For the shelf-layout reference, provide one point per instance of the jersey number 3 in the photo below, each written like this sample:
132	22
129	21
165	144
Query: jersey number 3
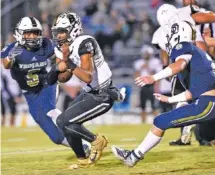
32	78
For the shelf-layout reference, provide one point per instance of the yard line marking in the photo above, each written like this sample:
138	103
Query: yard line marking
128	139
34	151
15	140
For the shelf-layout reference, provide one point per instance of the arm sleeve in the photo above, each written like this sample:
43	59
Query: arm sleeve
87	46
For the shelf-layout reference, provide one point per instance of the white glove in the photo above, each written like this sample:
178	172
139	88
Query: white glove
123	94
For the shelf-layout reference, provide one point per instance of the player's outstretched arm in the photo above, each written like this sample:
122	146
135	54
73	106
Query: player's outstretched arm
184	96
169	71
202	17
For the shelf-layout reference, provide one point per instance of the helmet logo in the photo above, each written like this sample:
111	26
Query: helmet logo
175	28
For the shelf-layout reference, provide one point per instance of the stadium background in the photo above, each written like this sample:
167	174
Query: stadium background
121	27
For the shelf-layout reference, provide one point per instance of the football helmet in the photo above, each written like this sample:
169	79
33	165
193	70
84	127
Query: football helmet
167	14
69	23
178	32
28	24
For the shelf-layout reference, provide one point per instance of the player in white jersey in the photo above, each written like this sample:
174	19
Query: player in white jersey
82	56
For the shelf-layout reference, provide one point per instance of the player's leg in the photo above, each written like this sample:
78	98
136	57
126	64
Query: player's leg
152	101
74	141
48	97
143	98
177	88
86	107
200	111
12	105
204	133
39	106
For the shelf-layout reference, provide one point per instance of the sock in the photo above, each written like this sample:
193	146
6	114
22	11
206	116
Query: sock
76	145
150	141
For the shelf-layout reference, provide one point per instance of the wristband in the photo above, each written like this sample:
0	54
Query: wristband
177	98
167	72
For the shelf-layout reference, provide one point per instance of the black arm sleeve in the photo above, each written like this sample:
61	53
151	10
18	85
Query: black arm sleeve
87	46
195	9
52	75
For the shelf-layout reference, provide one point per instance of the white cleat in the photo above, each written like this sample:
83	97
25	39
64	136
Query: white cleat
129	158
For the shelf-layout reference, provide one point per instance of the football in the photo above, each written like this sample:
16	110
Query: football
64	76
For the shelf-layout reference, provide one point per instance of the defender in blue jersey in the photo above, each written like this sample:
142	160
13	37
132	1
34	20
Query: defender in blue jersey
189	63
27	59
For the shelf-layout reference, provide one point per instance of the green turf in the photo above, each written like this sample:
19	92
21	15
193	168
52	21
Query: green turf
29	152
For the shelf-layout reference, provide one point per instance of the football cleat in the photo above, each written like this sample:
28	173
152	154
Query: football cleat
178	143
205	143
82	163
129	158
97	148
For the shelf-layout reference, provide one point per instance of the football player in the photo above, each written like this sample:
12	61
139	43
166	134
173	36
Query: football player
195	70
27	60
191	14
84	59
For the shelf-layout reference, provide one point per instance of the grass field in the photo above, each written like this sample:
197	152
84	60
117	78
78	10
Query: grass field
27	151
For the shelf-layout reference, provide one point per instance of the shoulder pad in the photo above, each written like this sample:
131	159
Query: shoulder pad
180	49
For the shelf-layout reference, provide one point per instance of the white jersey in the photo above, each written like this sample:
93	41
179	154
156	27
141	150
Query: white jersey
87	44
184	13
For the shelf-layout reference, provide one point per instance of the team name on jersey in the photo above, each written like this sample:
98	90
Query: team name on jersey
33	65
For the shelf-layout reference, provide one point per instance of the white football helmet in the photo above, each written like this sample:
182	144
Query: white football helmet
69	23
178	32
167	14
28	24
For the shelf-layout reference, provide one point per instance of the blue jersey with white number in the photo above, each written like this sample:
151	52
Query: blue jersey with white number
29	67
198	77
